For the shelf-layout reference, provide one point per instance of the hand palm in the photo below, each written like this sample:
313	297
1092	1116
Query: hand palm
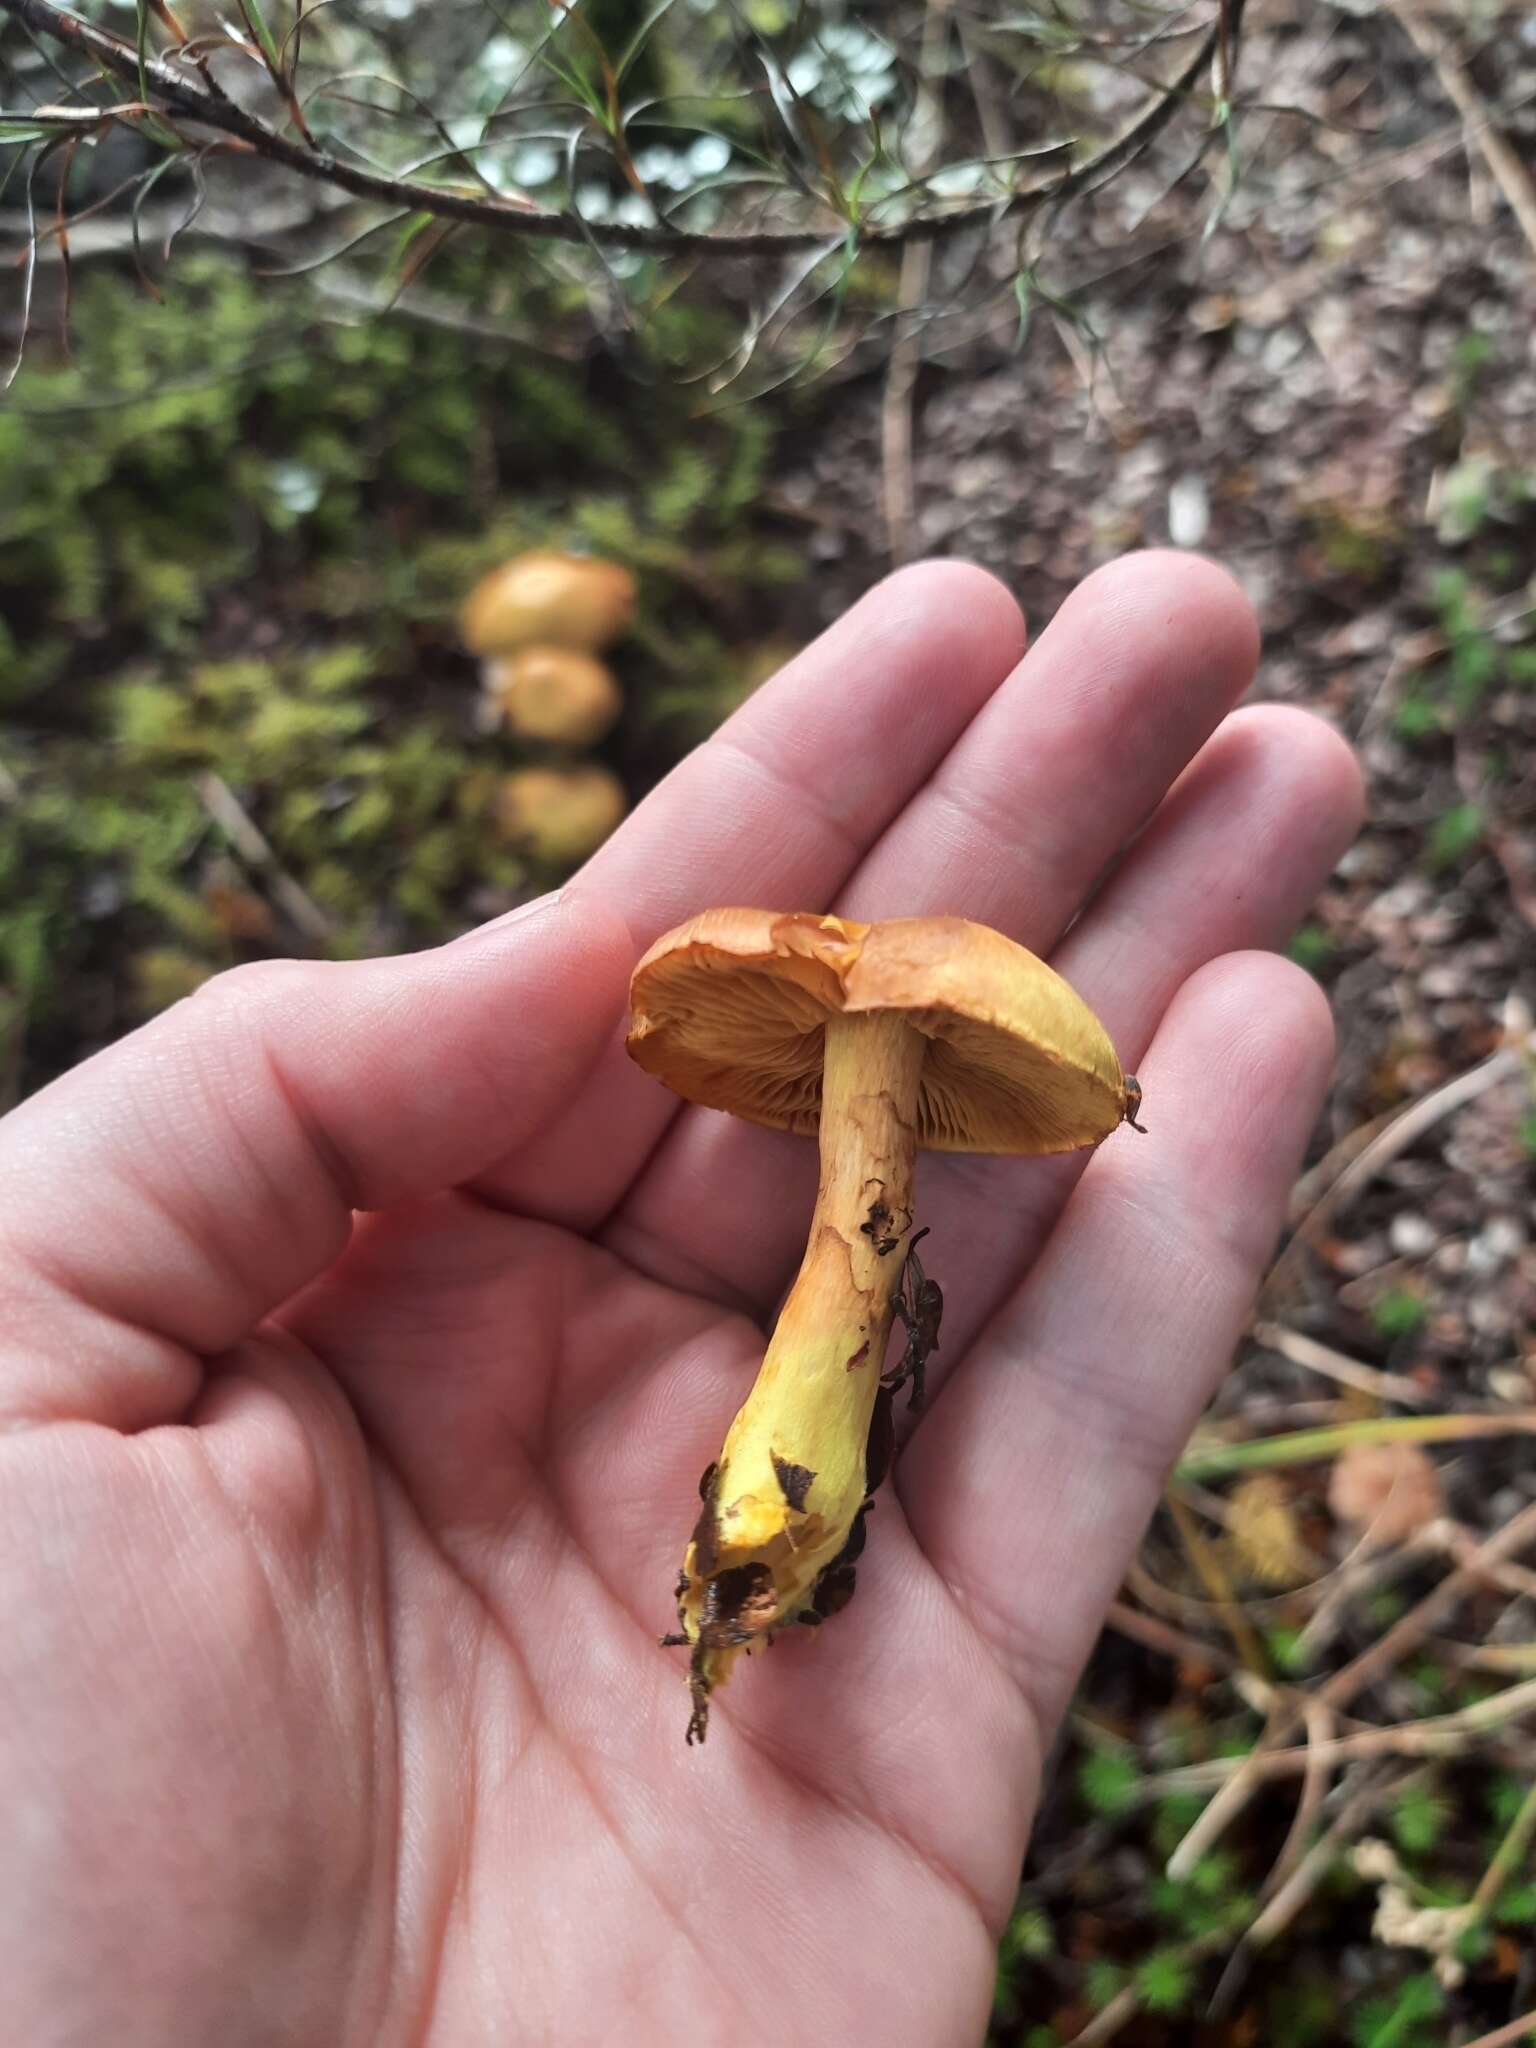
357	1681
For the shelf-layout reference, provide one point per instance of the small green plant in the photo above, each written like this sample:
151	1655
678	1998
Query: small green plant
1313	948
1418	716
1165	1981
1029	1935
1288	1651
1175	1816
1418	1818
1109	1781
1211	1901
1398	1315
1103	1981
1400	2021
1470	356
1517	1907
1456	834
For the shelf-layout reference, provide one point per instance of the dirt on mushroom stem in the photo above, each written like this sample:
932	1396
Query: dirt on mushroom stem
781	1504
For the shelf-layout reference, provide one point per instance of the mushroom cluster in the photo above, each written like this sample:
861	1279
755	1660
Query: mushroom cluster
877	1039
539	624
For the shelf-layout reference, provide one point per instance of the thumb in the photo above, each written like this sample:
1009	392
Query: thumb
163	1197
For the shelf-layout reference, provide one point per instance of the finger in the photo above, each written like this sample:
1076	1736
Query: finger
1059	768
776	809
1033	1478
163	1197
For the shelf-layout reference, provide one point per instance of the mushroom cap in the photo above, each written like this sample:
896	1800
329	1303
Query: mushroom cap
729	1011
554	693
551	598
559	815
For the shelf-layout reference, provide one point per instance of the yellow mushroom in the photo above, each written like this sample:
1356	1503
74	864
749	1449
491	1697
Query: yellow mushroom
553	693
878	1039
546	598
559	815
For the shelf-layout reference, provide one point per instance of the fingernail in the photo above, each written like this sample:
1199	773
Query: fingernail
521	915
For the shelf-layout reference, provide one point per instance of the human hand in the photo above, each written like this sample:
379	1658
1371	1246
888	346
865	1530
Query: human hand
337	1545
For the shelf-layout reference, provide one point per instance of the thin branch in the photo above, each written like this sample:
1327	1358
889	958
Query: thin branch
188	101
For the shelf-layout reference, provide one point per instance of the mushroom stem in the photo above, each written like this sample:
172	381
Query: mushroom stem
781	1504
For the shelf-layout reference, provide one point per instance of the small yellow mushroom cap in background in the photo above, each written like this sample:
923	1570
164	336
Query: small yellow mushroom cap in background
546	598
728	1011
559	815
555	694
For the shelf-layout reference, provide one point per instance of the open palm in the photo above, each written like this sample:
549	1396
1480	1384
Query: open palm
336	1544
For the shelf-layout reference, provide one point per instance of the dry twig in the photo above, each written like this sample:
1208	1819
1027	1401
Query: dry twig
238	826
1346	1684
1508	170
1335	1365
1438	1735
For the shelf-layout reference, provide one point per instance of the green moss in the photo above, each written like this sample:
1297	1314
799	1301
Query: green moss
1456	834
1109	1781
1398	1315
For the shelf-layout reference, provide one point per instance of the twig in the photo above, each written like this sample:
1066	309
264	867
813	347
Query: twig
1367	1566
1334	1365
1299	1887
236	823
1459	1543
1352	1679
1507	1858
1104	2026
1438	1735
1168	1641
1509	172
1317	1776
1404	1130
1514	2035
187	101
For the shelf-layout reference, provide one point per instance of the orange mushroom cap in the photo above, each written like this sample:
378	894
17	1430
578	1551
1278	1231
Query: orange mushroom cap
729	1010
559	815
554	693
548	598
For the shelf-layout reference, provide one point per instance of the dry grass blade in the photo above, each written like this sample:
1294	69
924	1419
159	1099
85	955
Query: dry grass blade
1212	1575
1508	169
232	818
1335	1365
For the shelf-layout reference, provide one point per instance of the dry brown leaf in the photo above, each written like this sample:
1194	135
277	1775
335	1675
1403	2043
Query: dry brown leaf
1264	1533
1387	1491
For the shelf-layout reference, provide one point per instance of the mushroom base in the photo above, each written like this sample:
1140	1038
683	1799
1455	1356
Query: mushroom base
781	1512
